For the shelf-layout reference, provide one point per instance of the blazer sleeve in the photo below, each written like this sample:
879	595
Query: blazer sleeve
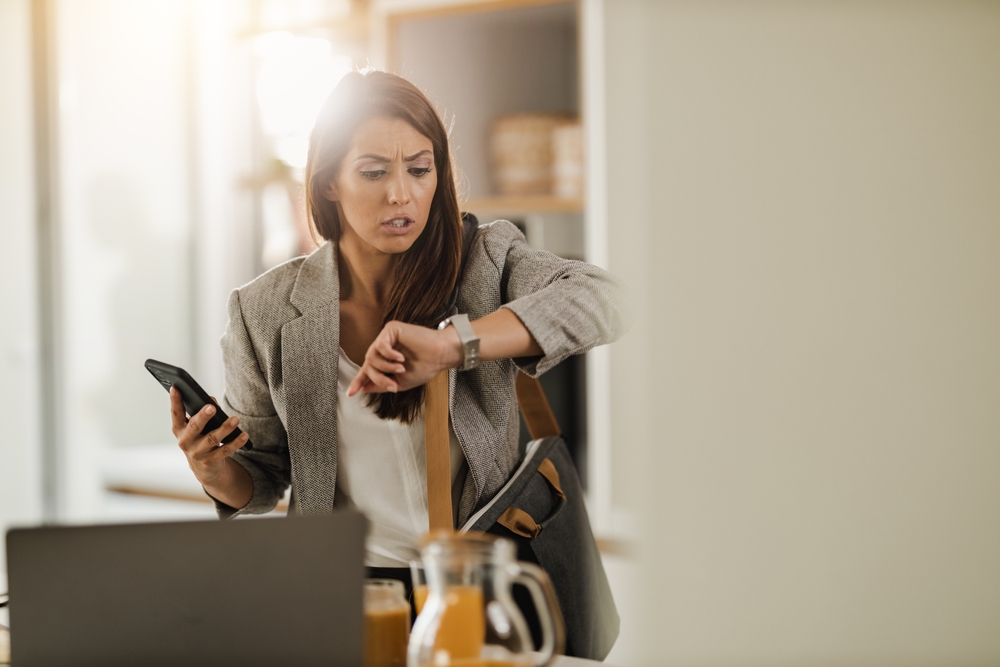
247	395
568	306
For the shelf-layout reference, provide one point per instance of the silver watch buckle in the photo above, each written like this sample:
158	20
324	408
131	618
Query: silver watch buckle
470	342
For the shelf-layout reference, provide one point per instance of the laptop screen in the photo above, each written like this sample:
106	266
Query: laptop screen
245	592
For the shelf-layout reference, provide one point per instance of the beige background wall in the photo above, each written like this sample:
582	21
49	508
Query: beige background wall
20	453
806	199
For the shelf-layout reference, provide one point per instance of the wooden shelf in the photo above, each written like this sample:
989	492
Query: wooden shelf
523	205
173	495
352	29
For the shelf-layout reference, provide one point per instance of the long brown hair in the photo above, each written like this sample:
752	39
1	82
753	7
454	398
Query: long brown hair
427	273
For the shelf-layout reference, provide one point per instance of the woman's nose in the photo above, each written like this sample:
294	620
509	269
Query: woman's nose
399	193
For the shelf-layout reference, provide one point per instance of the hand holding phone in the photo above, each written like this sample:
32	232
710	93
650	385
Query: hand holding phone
206	435
193	397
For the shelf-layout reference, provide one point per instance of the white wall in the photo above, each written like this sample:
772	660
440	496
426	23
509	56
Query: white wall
154	105
20	450
804	196
156	229
222	90
125	219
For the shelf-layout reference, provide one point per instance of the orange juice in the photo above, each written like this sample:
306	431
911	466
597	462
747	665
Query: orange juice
463	627
387	632
420	596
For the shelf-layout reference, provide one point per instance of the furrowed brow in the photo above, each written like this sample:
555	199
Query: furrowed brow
416	155
371	156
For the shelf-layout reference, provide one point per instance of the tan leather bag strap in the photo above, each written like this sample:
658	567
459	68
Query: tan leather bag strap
437	447
537	415
519	522
535	407
548	470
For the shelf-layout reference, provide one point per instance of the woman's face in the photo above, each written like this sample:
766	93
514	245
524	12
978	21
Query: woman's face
385	185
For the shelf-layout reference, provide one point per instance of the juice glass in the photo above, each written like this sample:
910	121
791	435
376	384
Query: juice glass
387	623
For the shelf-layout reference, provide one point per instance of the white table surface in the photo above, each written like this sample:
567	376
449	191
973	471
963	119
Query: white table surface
561	661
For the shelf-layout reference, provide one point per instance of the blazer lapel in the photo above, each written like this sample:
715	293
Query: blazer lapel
310	347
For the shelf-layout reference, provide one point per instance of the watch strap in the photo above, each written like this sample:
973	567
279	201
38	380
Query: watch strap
470	342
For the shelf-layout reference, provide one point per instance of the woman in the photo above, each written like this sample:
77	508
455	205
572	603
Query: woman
326	355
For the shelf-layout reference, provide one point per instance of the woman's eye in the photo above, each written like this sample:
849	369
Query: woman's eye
374	174
419	171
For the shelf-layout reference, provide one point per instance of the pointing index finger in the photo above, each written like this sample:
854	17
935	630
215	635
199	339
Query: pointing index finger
356	383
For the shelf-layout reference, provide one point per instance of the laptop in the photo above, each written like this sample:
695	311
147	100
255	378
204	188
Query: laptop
275	591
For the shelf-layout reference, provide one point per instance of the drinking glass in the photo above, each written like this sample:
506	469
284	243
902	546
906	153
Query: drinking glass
387	623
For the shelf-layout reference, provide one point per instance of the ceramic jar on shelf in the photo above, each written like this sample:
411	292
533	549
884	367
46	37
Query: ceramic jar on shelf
537	154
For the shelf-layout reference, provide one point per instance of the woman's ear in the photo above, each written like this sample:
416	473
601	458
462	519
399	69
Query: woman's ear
330	193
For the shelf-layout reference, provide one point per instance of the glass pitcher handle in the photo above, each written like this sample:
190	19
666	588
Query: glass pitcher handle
550	617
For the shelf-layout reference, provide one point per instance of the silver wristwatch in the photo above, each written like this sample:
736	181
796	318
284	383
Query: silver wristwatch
470	342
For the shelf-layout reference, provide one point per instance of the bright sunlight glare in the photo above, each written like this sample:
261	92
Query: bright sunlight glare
296	75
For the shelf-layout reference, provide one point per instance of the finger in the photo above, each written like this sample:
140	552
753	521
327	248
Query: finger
214	438
227	450
383	345
384	365
178	418
369	387
369	379
385	341
358	383
197	423
381	380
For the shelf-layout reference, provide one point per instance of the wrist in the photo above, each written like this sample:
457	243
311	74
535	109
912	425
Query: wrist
220	480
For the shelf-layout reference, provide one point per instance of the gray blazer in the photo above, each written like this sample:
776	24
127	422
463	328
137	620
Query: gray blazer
280	352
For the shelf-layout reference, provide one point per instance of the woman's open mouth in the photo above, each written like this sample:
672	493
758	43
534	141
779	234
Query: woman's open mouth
398	225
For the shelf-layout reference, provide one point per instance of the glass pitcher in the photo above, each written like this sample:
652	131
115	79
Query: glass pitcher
469	618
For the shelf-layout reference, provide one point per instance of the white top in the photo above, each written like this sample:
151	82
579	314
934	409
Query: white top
382	471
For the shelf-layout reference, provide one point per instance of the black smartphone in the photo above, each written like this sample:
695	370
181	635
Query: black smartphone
192	395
